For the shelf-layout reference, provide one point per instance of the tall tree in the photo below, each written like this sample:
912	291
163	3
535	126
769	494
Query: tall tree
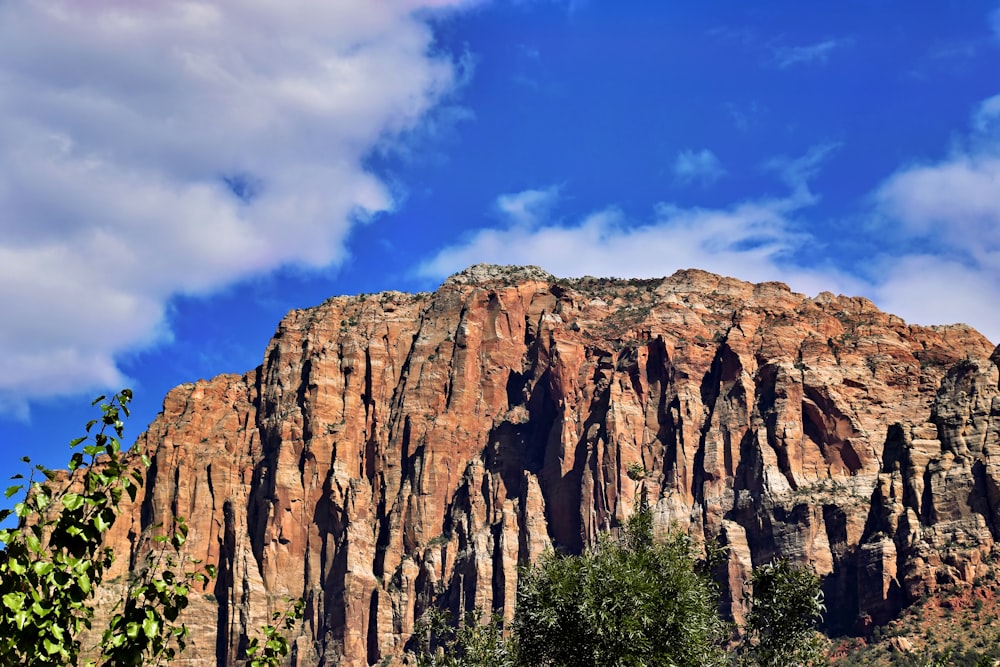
785	607
624	602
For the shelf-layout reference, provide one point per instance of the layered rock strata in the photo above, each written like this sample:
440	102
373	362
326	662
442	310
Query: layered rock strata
395	451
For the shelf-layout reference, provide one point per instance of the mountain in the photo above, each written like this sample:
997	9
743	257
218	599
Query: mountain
399	450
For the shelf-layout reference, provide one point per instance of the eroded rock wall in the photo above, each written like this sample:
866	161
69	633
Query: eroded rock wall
395	451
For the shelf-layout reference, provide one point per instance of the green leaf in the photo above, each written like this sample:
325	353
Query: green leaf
14	601
40	496
51	647
11	490
100	523
76	441
39	610
150	626
42	567
72	501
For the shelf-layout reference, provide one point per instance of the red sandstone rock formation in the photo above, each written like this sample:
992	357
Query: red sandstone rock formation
396	450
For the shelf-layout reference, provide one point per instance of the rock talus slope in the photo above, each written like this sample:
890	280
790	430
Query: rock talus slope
396	450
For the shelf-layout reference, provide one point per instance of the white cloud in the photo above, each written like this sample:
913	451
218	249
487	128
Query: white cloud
528	207
952	208
957	199
930	289
151	149
796	173
986	125
751	240
698	166
746	116
812	53
944	210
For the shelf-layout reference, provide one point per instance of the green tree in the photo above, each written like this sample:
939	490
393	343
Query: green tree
473	643
56	557
271	649
145	624
631	602
625	602
785	607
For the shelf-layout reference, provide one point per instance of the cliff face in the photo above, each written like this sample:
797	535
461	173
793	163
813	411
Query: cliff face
395	450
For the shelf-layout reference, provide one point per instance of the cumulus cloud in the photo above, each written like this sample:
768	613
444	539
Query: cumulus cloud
152	149
698	167
986	125
811	53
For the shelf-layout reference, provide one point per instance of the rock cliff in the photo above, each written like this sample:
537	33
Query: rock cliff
395	450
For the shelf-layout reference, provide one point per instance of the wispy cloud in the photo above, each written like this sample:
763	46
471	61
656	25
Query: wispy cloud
986	125
746	116
152	149
951	206
528	51
798	172
819	52
701	167
753	240
957	198
528	207
938	257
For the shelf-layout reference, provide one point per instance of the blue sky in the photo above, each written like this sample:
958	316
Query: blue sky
174	177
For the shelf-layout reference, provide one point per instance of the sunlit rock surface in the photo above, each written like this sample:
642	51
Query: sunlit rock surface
398	450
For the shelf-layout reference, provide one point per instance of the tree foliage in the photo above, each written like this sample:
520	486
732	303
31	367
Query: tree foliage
56	557
624	602
786	606
474	643
145	624
271	649
632	601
